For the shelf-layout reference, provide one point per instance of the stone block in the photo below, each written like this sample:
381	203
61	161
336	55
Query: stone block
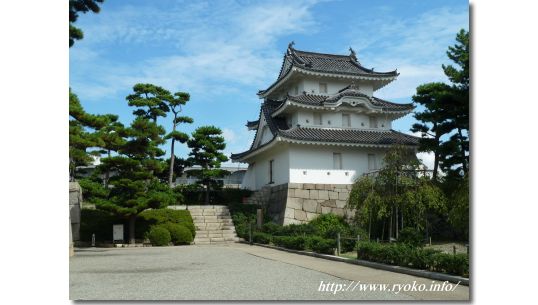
341	204
291	192
310	216
343	196
332	194
310	205
325	210
295	185
329	203
302	193
329	187
300	215
295	203
323	194
309	186
313	194
289	213
320	186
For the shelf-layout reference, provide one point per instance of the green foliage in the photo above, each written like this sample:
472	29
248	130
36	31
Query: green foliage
459	201
319	244
411	236
207	144
291	242
413	257
76	7
328	225
179	233
159	236
261	238
446	113
148	218
397	191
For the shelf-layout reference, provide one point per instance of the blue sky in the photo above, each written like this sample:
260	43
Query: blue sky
223	52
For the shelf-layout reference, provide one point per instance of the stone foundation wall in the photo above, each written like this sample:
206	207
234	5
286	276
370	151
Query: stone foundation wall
299	203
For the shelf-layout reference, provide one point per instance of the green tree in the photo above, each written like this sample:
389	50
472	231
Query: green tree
82	136
76	7
134	187
151	101
446	113
175	105
436	99
396	197
207	144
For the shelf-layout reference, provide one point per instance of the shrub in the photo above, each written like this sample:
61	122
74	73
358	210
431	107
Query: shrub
272	228
261	238
327	225
159	236
415	257
319	244
241	223
148	218
179	234
411	236
290	242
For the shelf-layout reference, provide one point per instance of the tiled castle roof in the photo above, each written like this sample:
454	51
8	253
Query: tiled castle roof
325	63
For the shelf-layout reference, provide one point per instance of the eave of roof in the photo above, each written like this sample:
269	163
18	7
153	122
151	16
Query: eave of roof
326	64
324	136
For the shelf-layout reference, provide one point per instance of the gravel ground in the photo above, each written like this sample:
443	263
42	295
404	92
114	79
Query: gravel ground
197	273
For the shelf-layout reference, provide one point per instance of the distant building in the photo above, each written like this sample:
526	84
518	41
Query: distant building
233	180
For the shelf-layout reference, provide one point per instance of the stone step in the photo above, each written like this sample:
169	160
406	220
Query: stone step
201	239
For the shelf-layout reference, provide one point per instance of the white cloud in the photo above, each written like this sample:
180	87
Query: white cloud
415	46
222	44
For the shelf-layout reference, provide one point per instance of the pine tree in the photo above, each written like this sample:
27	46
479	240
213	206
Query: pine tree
436	99
76	7
207	144
175	105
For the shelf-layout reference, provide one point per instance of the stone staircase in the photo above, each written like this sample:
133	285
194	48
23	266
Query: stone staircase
213	224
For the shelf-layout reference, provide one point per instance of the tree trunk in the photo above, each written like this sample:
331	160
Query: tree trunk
390	223
172	157
107	174
132	222
463	157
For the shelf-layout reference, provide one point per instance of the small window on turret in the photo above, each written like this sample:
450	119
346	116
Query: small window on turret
296	90
322	87
317	118
373	122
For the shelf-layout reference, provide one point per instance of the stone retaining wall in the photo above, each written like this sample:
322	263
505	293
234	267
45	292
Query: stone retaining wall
301	202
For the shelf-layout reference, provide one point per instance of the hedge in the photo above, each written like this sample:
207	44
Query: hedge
319	244
148	218
261	238
414	257
179	234
290	242
159	236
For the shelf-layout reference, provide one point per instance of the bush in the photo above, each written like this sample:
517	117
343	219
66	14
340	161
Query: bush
159	236
319	244
149	218
290	242
261	238
179	234
327	225
241	222
411	236
272	228
415	257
